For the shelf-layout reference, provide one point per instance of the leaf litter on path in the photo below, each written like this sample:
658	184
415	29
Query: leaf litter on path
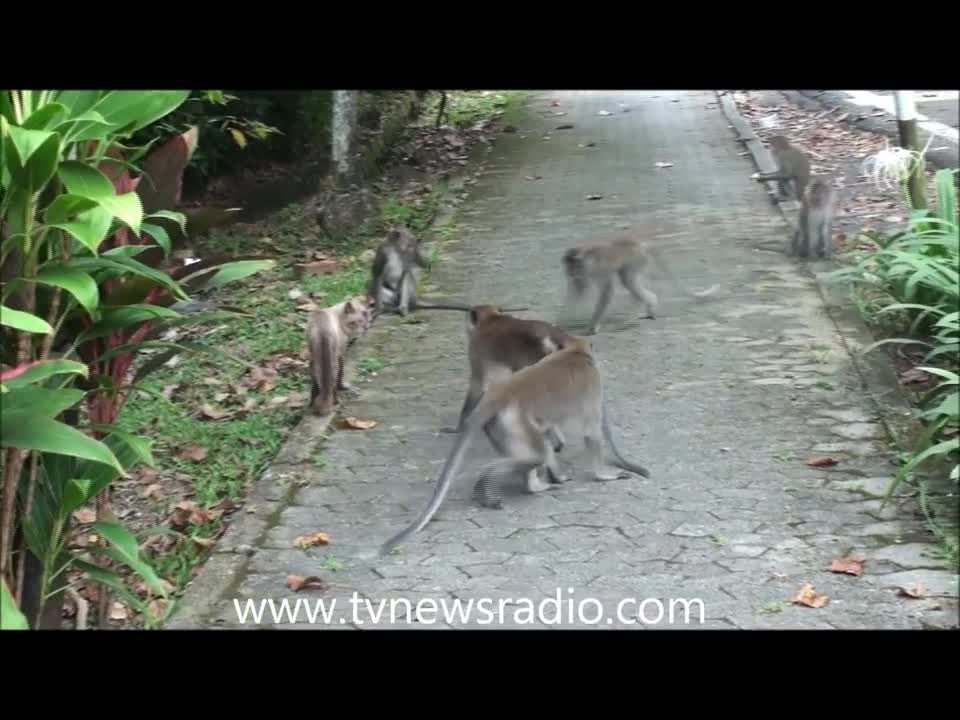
916	592
311	539
305	582
850	565
821	461
809	597
353	423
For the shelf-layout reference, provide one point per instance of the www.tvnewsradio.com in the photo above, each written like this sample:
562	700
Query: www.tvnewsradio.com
559	609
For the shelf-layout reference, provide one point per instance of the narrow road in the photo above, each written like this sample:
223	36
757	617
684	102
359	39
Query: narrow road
724	403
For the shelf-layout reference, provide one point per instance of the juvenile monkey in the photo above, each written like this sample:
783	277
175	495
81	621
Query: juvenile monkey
498	346
625	257
331	331
793	168
816	220
563	389
393	274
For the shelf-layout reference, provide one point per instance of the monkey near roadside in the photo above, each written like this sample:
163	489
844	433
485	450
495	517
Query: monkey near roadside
793	168
815	228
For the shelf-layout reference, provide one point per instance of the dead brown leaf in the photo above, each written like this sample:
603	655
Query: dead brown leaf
189	512
664	164
821	462
204	542
151	490
810	597
358	424
850	565
300	582
316	267
169	390
209	411
118	611
297	399
308	541
913	375
594	197
220	397
197	453
917	592
85	516
565	126
157	609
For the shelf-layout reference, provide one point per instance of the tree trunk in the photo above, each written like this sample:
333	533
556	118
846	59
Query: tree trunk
909	140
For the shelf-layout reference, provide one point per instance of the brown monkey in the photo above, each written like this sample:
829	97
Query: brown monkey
564	389
624	257
499	345
393	279
331	331
793	168
816	220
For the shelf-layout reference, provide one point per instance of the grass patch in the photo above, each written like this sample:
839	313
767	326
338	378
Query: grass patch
465	108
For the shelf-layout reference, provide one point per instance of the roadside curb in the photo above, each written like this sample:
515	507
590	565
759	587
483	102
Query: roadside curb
831	100
273	492
878	378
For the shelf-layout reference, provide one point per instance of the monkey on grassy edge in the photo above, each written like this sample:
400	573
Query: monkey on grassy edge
601	264
793	168
331	331
815	227
564	389
393	274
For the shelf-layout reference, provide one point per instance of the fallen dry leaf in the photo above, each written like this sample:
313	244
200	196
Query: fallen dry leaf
555	103
297	399
299	582
359	424
197	453
534	177
565	126
317	267
169	390
663	164
209	411
850	565
308	541
158	608
204	542
295	294
913	375
594	197
917	592
604	112
809	597
821	462
85	516
151	490
118	611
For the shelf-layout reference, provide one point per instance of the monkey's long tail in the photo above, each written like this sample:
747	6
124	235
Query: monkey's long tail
443	484
419	305
665	268
615	451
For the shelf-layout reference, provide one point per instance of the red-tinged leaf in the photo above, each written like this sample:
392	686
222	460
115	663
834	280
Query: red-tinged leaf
850	565
916	592
821	462
809	597
309	582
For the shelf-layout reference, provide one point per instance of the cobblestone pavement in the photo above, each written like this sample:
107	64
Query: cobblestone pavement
725	403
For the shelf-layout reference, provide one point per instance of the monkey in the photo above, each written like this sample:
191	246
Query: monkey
393	274
624	257
793	168
564	389
816	220
500	344
331	332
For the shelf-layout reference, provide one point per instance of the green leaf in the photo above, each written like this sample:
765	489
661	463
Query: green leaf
158	234
40	400
176	217
10	616
130	450
127	264
47	117
126	551
75	282
77	493
34	158
90	227
126	207
111	580
24	321
81	179
44	369
231	272
31	431
79	101
90	125
67	206
124	317
130	110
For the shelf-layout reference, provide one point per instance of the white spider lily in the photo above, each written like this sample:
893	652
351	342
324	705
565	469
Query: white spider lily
892	167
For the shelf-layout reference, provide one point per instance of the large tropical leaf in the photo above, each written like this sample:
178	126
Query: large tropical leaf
76	282
40	400
24	321
30	430
10	616
34	372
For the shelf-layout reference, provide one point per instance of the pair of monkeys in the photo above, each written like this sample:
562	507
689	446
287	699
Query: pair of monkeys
817	199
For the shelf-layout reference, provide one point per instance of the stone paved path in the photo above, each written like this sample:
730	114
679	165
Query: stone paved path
724	409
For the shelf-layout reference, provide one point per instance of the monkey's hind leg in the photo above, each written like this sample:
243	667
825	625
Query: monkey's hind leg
640	293
601	471
489	488
406	293
602	302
